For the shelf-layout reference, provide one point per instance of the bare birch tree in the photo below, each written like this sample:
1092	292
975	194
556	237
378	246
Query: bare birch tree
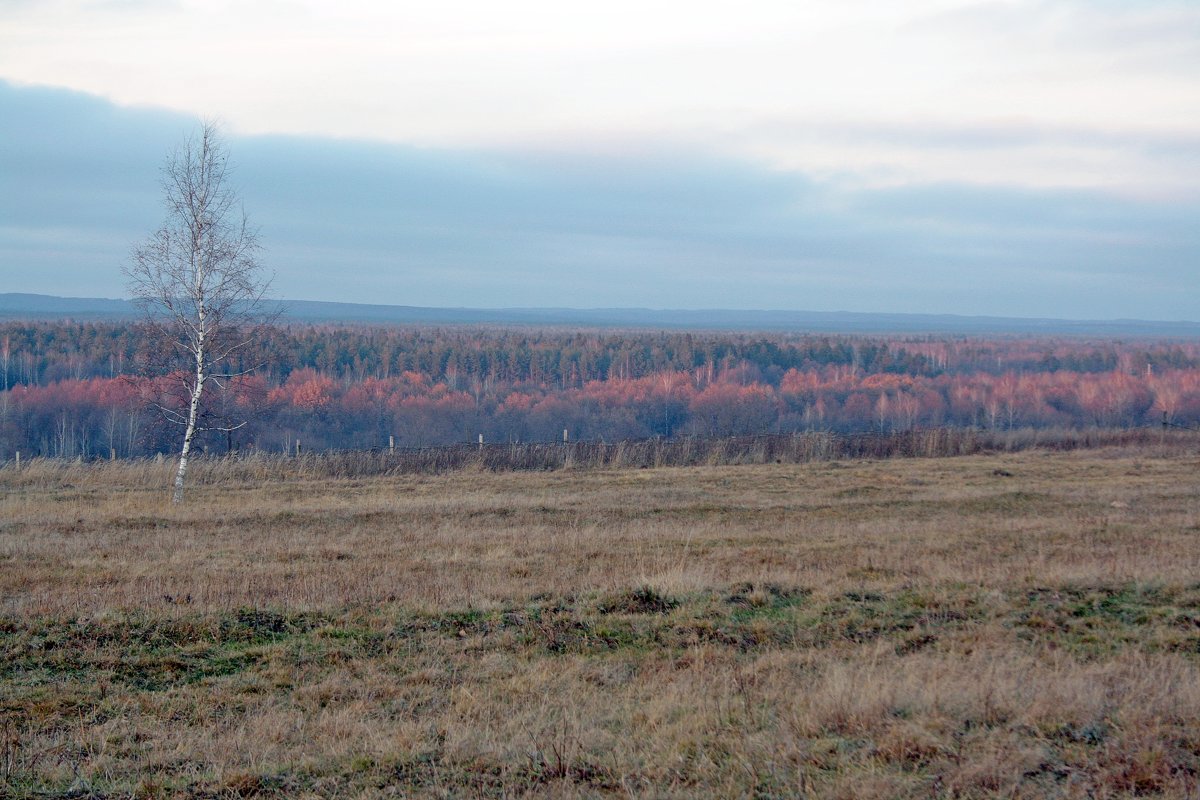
199	283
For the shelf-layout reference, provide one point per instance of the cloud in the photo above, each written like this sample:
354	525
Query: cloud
1052	94
365	221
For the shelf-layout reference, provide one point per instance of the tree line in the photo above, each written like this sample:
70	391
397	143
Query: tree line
38	353
73	389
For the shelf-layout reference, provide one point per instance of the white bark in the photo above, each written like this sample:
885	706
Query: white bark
190	429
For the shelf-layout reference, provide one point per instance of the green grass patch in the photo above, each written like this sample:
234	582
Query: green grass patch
1095	621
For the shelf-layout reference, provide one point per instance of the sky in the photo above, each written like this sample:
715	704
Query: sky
1013	158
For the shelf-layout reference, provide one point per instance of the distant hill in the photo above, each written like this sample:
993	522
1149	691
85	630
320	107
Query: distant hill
47	307
44	306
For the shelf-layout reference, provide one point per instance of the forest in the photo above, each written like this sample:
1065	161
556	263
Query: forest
86	390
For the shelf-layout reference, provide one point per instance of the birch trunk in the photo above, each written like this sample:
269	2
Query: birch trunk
197	347
188	435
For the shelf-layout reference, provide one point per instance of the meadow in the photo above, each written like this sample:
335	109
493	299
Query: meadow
1020	624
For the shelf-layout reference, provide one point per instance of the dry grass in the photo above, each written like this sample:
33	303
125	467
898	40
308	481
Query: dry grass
1021	625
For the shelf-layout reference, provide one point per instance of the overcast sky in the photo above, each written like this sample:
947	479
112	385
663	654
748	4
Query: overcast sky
1014	158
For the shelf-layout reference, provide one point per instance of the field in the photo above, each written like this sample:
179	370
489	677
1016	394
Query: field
1017	625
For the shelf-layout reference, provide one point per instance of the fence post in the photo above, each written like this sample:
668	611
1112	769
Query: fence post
18	461
392	444
297	448
564	435
481	441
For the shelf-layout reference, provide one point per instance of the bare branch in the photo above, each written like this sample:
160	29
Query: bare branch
199	283
221	429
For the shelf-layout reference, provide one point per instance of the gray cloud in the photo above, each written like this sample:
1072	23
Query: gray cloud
985	135
368	222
